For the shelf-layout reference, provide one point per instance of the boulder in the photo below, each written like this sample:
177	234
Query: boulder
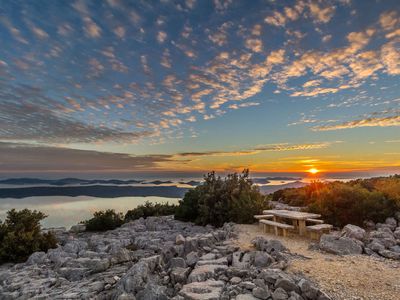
179	275
261	293
353	231
235	280
287	284
262	259
177	262
179	240
340	245
375	245
153	291
202	273
396	233
192	258
390	254
280	294
78	228
36	258
391	222
241	259
308	291
207	290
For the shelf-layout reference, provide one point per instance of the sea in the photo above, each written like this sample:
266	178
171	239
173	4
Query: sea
65	211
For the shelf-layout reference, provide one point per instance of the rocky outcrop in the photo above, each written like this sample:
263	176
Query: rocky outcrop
381	240
156	259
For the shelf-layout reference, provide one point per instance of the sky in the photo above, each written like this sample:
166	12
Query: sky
193	86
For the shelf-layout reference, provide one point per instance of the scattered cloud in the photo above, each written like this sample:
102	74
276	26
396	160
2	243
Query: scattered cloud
367	122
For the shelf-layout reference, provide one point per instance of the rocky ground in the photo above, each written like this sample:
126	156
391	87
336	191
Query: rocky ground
158	258
351	276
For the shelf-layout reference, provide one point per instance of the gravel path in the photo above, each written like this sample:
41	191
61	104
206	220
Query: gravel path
342	277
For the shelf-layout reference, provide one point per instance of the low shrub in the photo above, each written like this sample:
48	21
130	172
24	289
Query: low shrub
149	210
20	235
218	200
104	220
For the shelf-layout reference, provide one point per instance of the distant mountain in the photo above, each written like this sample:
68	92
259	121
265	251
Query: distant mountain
268	189
158	182
101	191
192	182
66	181
260	180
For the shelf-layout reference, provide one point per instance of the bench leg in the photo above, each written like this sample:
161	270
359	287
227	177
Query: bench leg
276	230
284	232
302	227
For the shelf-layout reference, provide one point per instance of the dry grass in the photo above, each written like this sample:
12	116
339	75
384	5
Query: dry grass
342	277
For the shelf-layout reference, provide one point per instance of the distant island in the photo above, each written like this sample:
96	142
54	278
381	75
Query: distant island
101	191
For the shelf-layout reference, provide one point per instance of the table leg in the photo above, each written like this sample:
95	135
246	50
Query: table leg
302	227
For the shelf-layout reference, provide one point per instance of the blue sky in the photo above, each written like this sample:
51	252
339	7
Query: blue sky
122	86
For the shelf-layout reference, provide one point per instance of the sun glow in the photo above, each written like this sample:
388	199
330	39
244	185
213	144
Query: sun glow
313	171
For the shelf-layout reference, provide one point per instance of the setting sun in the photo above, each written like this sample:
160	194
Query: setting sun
313	171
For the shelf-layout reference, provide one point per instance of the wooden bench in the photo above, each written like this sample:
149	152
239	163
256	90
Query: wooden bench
316	221
262	217
270	226
317	230
259	217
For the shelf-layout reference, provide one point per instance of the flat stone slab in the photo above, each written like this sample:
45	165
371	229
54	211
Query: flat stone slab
207	290
202	273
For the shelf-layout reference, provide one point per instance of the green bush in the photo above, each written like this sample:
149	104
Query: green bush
218	200
20	235
104	220
149	210
353	202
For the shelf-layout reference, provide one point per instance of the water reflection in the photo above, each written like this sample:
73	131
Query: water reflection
67	211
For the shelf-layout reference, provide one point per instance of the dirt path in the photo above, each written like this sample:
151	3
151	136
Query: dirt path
342	277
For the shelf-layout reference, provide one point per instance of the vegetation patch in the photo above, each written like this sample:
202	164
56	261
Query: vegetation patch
352	202
20	235
104	220
218	200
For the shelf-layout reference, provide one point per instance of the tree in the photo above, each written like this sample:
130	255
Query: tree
218	200
20	235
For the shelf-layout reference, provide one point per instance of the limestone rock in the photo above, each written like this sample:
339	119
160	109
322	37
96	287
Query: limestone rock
78	228
202	273
340	245
207	290
179	240
353	231
179	275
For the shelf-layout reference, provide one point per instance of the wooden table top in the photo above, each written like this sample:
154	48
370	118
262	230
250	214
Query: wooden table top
298	215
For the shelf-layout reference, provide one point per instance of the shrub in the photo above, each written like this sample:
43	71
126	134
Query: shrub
104	220
20	235
218	200
149	210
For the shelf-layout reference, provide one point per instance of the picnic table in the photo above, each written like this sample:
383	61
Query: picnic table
298	218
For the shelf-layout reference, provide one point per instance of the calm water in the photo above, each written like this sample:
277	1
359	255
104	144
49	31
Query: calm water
67	211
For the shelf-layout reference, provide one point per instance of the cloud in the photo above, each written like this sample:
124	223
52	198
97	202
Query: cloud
258	149
254	45
321	14
276	19
367	122
390	55
161	36
15	157
247	104
42	119
388	20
